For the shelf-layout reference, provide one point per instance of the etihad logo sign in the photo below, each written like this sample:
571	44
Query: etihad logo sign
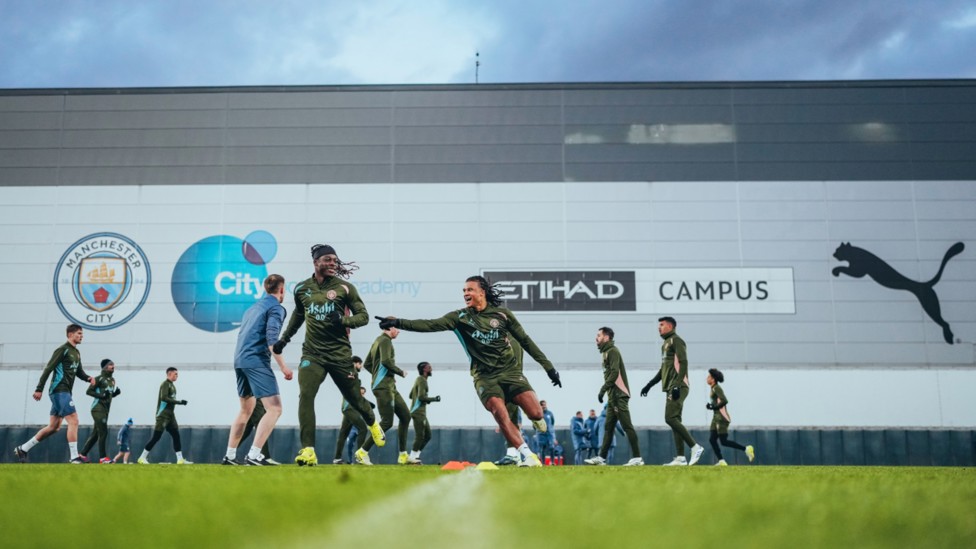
566	290
651	291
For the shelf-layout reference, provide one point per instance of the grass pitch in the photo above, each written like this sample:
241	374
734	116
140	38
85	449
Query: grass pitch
61	505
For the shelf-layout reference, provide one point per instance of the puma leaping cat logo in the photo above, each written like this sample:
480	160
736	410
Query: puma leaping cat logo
862	262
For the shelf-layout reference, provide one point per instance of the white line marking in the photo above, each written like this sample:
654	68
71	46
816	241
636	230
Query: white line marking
450	511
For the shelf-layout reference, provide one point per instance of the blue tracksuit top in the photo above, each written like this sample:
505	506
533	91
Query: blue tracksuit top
260	329
549	435
580	439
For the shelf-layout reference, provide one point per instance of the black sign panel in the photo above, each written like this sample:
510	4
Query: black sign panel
566	290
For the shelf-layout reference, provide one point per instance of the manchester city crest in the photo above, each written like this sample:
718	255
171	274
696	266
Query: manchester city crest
102	281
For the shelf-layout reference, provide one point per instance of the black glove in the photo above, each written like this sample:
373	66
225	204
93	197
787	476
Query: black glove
117	392
437	398
646	389
183	402
599	397
279	346
708	406
335	317
554	377
676	392
387	323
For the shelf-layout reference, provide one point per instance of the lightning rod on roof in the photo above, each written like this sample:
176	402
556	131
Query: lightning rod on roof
477	64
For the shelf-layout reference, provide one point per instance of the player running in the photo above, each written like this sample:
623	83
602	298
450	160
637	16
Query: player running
418	411
65	364
719	429
485	329
381	363
322	301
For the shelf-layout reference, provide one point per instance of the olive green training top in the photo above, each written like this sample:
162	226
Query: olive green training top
485	336
166	403
674	362
717	397
614	373
418	396
65	364
381	363
104	391
326	343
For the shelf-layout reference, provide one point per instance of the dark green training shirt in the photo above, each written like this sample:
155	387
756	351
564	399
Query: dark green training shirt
65	365
381	363
614	373
674	362
104	391
485	336
717	397
166	403
325	342
418	396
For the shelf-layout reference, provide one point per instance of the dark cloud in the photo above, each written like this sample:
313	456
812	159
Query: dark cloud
183	43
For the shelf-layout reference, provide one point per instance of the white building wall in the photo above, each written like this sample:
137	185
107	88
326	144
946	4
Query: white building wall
853	353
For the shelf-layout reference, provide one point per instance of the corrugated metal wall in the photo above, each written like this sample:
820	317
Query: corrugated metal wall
885	130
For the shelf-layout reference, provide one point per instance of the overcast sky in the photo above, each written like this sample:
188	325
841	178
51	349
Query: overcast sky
127	43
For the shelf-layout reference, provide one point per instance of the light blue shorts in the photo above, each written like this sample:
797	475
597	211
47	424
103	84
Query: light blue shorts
62	405
256	382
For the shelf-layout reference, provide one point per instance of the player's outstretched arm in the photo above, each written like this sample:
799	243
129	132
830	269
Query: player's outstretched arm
443	324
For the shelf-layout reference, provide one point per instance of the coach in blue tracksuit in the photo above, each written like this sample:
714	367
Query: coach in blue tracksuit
594	442
581	438
260	329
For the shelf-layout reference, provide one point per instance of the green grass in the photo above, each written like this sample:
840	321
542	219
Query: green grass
346	506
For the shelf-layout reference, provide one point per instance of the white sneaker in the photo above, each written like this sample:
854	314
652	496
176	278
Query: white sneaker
184	462
362	457
540	425
680	460
531	460
595	460
696	453
722	463
634	461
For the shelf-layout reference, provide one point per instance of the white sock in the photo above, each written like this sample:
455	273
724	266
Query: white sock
179	456
29	444
73	448
403	453
524	450
231	453
414	455
145	454
511	451
254	453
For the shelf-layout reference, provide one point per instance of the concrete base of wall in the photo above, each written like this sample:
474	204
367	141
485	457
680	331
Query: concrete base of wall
922	447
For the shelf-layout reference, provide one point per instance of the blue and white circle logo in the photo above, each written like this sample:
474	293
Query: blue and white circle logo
218	278
102	281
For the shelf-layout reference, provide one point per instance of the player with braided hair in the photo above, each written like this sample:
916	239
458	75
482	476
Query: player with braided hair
321	302
486	328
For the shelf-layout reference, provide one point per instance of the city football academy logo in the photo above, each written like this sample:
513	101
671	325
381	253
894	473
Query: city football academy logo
218	278
102	281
